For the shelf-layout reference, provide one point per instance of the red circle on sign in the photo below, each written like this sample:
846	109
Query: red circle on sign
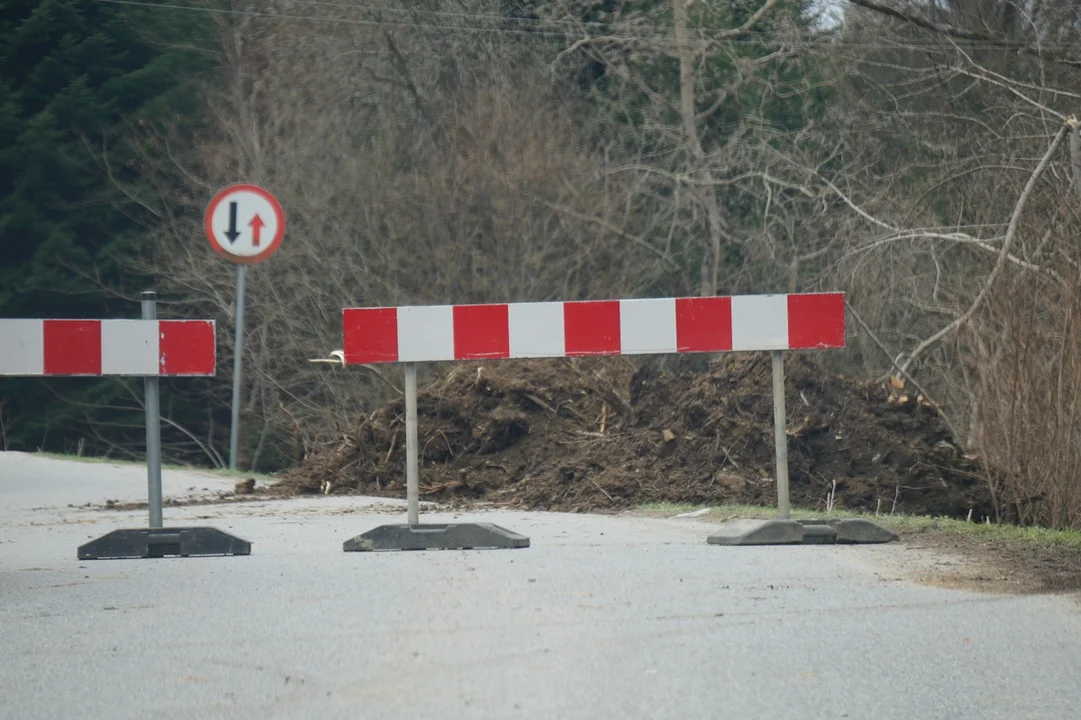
223	195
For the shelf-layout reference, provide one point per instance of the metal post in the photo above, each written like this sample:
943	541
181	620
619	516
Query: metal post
153	428
238	366
412	471
780	434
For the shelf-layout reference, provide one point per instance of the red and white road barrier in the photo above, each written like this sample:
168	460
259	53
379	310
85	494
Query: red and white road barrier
430	333
107	347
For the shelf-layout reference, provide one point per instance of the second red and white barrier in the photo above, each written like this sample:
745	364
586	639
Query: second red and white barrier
608	327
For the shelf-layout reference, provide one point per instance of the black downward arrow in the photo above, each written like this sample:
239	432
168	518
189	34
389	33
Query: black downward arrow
232	233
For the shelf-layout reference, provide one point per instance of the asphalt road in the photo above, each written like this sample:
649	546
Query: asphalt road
603	617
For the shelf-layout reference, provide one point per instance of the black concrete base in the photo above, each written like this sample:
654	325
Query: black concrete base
801	532
457	536
159	542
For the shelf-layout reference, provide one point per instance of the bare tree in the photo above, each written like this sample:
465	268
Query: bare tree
965	261
925	159
416	163
711	100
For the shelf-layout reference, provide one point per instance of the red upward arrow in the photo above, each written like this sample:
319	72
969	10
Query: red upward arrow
256	226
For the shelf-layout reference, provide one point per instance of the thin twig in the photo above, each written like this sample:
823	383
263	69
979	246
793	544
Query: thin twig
881	346
602	490
393	442
1011	233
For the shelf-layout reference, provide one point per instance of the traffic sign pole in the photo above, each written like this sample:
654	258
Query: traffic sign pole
238	366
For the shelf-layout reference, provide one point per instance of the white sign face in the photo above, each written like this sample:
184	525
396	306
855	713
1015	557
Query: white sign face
244	224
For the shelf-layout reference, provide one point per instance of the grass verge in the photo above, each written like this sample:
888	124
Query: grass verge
996	557
901	524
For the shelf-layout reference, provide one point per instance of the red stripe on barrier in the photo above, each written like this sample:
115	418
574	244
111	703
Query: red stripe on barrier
186	347
481	332
816	321
703	324
72	347
591	328
370	335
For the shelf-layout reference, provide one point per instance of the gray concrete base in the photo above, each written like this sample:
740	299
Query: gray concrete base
159	542
800	532
856	530
456	536
758	532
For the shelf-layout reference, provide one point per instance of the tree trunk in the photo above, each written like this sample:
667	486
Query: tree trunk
705	191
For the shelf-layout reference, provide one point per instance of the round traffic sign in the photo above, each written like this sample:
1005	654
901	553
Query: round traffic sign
244	224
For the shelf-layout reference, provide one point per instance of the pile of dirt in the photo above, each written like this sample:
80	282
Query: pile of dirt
598	434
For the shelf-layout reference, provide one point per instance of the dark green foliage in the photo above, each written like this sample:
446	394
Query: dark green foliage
758	106
78	80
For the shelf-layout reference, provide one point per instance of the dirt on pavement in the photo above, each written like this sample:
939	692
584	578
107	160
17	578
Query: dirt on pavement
965	561
607	434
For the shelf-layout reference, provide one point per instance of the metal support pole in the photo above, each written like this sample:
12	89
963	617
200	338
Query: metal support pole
238	366
153	428
780	433
412	470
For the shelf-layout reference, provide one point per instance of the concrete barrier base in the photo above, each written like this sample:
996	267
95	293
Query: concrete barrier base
801	532
457	536
160	542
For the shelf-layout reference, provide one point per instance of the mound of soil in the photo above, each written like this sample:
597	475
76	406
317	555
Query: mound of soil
580	435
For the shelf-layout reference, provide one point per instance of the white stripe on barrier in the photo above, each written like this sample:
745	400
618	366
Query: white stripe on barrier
22	347
759	322
536	329
426	332
647	327
129	347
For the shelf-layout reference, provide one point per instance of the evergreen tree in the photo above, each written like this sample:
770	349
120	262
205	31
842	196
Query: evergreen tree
76	77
